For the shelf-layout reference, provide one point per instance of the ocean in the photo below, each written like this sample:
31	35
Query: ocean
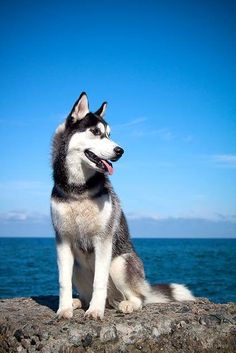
208	266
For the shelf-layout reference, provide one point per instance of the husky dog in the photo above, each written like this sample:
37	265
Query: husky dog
94	250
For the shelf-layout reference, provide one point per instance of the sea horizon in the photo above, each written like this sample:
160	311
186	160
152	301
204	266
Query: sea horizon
132	237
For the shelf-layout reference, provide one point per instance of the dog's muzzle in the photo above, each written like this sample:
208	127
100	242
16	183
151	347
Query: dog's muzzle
118	152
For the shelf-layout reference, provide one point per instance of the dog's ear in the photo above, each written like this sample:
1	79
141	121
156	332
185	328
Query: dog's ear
101	111
80	108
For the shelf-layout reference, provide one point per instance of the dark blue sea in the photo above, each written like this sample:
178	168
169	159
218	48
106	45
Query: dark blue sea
207	266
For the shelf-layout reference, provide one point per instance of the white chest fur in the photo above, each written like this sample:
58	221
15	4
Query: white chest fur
87	217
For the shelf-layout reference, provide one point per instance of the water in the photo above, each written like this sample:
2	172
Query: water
207	266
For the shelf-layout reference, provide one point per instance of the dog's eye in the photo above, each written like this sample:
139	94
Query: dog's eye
96	131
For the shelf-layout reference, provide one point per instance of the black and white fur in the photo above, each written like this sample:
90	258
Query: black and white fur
94	249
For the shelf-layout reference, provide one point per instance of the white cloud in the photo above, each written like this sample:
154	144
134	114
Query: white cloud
182	227
13	216
224	160
25	223
23	216
139	129
164	134
208	216
130	123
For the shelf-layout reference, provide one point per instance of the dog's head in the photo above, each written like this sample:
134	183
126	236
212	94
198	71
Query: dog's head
88	137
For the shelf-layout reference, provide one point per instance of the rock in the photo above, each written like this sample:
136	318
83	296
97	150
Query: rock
87	341
108	333
29	325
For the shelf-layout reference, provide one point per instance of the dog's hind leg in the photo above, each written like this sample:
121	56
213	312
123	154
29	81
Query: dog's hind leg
127	274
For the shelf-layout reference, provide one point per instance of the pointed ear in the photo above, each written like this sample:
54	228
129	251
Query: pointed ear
80	108
101	111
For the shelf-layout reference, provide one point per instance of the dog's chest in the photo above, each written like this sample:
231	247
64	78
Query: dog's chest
92	217
82	218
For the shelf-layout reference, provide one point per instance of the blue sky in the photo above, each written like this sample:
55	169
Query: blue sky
167	70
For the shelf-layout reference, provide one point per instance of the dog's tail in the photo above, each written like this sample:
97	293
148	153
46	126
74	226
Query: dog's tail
164	293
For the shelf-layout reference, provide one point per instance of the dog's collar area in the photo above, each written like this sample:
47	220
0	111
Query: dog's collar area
70	191
102	164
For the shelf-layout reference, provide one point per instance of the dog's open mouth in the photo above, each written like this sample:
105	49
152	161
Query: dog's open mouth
103	164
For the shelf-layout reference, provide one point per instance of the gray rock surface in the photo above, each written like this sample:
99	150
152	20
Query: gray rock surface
30	325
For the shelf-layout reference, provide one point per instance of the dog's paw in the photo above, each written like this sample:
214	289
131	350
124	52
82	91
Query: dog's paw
126	306
76	304
97	314
65	313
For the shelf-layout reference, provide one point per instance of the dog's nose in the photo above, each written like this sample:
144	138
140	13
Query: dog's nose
118	151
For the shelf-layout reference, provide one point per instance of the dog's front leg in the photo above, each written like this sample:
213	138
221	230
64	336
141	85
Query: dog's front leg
103	252
65	261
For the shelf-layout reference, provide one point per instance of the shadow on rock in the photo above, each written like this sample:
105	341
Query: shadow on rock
50	301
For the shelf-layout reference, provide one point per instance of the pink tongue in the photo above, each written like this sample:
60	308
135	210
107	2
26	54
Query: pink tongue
108	166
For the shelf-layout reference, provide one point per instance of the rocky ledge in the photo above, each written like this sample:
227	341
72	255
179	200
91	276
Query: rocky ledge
30	325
